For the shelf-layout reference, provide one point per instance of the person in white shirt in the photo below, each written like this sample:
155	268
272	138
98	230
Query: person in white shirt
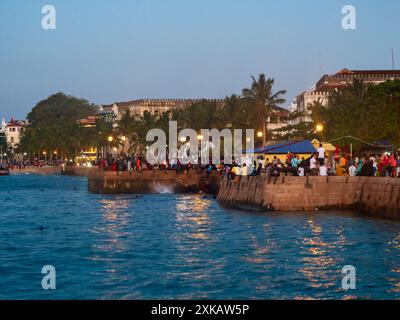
300	171
323	170
313	165
321	154
352	170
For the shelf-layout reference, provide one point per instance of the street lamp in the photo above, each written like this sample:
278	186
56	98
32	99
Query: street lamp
110	139
320	128
200	137
260	134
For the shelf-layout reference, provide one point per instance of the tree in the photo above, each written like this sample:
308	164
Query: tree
260	100
201	115
236	114
4	147
53	126
368	112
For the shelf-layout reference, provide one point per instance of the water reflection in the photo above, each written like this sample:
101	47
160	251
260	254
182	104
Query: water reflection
394	277
192	240
111	233
318	256
192	217
260	249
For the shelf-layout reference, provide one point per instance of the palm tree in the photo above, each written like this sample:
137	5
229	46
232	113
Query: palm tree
262	100
142	125
235	113
201	115
126	127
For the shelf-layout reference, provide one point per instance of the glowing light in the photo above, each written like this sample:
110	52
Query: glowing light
320	128
259	134
200	137
110	139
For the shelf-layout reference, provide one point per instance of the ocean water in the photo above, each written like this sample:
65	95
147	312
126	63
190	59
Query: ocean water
170	246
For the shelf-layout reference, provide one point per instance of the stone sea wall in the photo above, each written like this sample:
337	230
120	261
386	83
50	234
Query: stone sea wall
45	170
378	196
152	182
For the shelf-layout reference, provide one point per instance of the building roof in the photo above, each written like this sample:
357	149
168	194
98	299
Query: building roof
16	123
345	76
366	72
88	121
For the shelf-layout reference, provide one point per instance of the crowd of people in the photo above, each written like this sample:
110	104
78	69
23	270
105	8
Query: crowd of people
317	164
14	164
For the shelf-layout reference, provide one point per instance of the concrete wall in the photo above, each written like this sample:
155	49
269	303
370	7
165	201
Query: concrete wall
378	196
151	182
79	171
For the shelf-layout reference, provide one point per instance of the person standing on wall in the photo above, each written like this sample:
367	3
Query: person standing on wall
321	154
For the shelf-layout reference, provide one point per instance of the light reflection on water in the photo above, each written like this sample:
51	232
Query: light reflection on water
183	246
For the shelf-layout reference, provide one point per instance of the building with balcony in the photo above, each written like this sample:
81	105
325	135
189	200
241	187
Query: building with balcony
322	90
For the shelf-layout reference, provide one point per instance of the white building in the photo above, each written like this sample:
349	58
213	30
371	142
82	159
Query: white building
322	90
13	131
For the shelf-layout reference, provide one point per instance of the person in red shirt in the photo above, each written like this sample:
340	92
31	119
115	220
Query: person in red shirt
114	166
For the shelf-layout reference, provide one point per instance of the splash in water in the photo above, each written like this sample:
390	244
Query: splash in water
163	189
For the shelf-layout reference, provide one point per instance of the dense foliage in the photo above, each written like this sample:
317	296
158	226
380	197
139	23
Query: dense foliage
53	126
368	112
248	111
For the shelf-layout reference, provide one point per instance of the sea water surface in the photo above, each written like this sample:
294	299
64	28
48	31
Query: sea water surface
170	246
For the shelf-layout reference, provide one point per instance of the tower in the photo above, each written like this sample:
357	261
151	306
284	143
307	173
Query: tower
3	126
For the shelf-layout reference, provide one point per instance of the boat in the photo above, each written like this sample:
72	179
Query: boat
4	172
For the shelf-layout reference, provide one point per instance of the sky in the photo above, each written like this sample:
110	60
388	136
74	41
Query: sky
107	51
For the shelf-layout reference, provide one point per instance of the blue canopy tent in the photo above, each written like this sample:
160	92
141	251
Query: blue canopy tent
298	147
